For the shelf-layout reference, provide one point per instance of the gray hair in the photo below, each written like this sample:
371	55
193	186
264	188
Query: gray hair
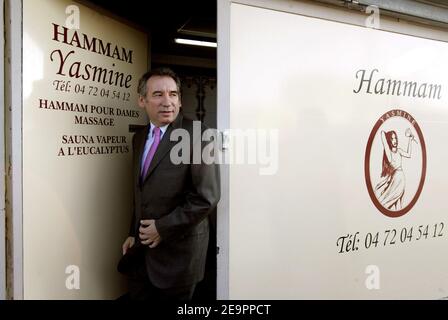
142	88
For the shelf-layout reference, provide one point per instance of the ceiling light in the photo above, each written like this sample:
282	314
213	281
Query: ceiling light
196	42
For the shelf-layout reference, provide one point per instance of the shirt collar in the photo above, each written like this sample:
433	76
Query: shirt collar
162	129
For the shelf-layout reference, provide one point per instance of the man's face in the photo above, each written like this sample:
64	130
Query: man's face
162	101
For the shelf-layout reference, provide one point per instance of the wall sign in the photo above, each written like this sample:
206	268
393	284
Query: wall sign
356	209
80	76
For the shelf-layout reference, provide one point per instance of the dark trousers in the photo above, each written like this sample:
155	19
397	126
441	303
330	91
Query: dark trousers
141	288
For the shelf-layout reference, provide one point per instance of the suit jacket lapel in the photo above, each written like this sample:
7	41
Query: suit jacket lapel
140	144
165	145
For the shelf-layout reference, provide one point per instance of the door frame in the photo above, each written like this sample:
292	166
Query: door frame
13	148
2	162
223	123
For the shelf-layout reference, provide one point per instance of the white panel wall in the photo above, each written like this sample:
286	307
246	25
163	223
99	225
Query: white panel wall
296	74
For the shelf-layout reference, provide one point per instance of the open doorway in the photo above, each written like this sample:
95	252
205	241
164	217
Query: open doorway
196	66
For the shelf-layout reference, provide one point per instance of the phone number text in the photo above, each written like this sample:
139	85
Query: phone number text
390	237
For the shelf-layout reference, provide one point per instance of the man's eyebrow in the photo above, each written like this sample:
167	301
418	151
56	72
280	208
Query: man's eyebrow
161	91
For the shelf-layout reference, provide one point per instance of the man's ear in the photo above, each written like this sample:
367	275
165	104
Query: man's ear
141	101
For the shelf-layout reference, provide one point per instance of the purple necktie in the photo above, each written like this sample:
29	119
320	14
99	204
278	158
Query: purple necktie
152	151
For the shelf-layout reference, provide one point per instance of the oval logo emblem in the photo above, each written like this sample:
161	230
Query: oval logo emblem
395	163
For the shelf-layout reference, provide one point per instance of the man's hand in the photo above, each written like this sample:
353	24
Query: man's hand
129	242
148	233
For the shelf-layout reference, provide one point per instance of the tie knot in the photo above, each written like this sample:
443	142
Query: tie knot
156	131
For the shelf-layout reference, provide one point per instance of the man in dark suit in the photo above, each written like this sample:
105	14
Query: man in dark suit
171	201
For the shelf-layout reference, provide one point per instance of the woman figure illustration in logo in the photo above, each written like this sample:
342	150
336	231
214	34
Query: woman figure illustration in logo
390	189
